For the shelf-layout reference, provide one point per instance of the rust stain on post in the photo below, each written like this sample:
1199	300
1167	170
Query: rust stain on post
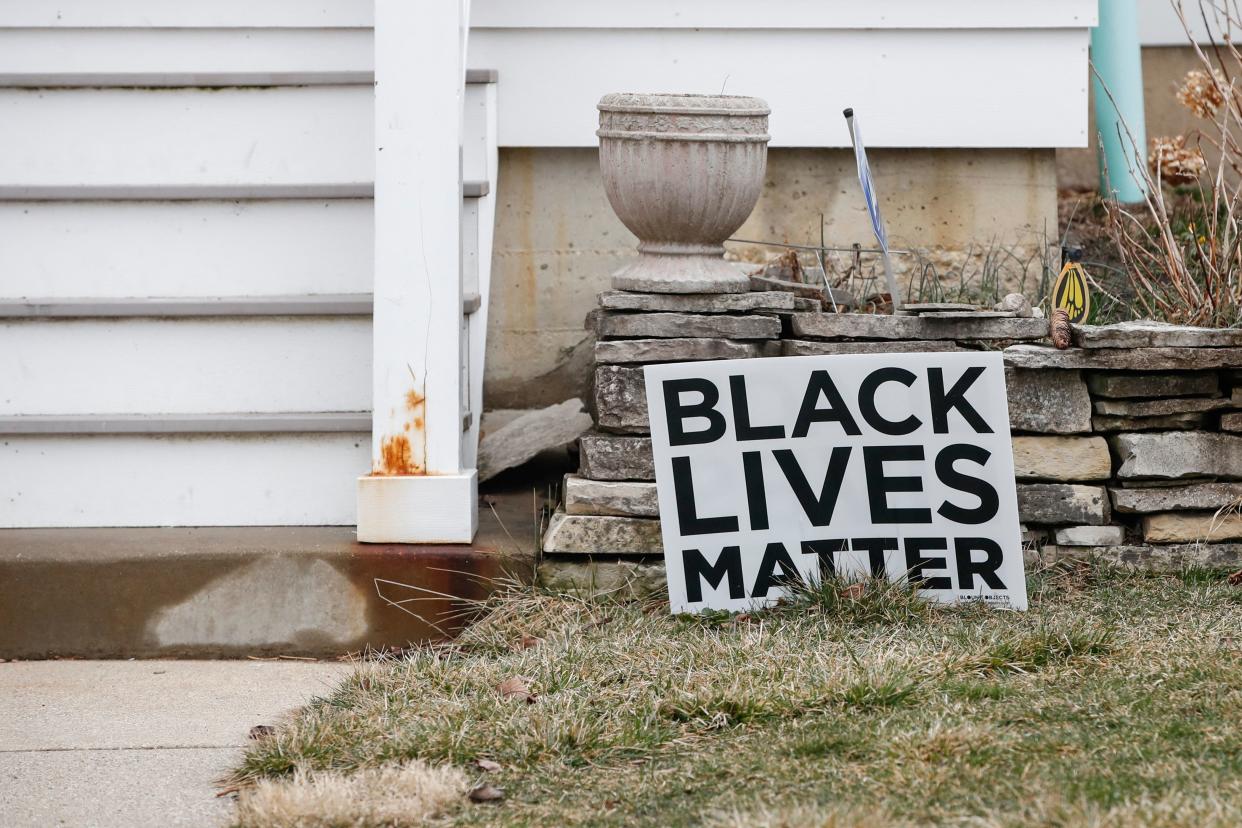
397	452
396	456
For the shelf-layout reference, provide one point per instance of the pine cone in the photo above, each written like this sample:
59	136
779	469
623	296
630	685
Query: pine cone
1060	329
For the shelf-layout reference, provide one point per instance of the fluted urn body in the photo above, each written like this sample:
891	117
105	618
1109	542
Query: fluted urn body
682	172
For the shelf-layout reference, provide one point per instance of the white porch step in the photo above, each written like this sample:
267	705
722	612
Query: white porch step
181	480
321	422
185	366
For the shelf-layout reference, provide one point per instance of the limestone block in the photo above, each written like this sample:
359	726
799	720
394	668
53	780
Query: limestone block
1048	402
1061	458
1173	558
621	399
1172	422
1058	504
808	347
626	498
1231	422
615	457
1162	407
632	351
682	325
1123	359
1091	536
1172	455
530	433
602	535
1154	384
771	301
1191	527
1202	496
592	578
1149	334
878	326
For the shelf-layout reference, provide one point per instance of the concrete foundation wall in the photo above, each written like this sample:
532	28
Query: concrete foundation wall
557	239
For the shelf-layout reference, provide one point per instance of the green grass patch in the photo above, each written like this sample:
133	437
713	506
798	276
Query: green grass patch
1116	700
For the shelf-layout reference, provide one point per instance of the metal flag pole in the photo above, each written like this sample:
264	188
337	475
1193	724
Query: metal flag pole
873	206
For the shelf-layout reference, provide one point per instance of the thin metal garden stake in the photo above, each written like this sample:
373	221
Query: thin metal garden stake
873	206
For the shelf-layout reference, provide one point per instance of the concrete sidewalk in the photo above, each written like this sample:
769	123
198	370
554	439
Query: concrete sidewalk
136	743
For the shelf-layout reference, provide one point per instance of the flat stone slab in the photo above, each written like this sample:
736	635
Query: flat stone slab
1173	422
1191	527
1161	407
1133	359
879	326
621	399
1090	536
1177	454
1048	402
1062	503
602	535
615	457
1173	558
1061	459
635	351
1201	496
809	347
970	314
621	579
771	301
684	325
817	292
526	435
1231	422
1153	384
917	308
623	498
1149	334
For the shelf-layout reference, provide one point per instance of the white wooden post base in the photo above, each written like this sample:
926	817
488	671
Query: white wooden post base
441	508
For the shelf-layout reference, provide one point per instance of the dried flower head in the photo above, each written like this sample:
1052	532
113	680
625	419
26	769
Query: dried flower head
1202	93
1172	162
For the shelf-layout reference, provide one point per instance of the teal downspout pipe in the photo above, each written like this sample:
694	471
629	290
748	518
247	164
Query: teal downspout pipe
1119	121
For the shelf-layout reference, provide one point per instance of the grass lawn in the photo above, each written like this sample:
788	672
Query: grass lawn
1117	700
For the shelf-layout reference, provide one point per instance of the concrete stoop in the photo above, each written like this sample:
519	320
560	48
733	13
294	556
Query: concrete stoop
237	592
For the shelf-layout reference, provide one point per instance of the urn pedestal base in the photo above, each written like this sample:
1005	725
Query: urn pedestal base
664	273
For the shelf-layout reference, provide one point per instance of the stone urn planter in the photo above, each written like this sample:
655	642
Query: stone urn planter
682	172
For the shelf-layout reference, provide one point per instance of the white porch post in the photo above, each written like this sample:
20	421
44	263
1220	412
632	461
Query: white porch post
417	491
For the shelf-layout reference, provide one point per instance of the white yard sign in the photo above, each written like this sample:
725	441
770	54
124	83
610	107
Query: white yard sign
897	465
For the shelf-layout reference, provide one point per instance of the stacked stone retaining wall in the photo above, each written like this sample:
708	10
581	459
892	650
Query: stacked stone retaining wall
1127	446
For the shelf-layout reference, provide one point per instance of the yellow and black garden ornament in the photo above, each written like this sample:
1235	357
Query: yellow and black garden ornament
1072	292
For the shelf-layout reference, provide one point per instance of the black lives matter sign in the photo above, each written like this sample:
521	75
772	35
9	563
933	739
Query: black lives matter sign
774	471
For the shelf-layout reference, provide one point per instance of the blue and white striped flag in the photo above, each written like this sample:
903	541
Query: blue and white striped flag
873	204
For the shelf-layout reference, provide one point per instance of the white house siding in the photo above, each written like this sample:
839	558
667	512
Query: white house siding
151	149
154	151
956	73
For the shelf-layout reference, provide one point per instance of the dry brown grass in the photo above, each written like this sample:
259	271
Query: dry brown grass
1116	701
386	797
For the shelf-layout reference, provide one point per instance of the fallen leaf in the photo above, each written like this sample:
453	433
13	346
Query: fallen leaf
486	793
262	731
487	765
854	591
529	641
517	687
